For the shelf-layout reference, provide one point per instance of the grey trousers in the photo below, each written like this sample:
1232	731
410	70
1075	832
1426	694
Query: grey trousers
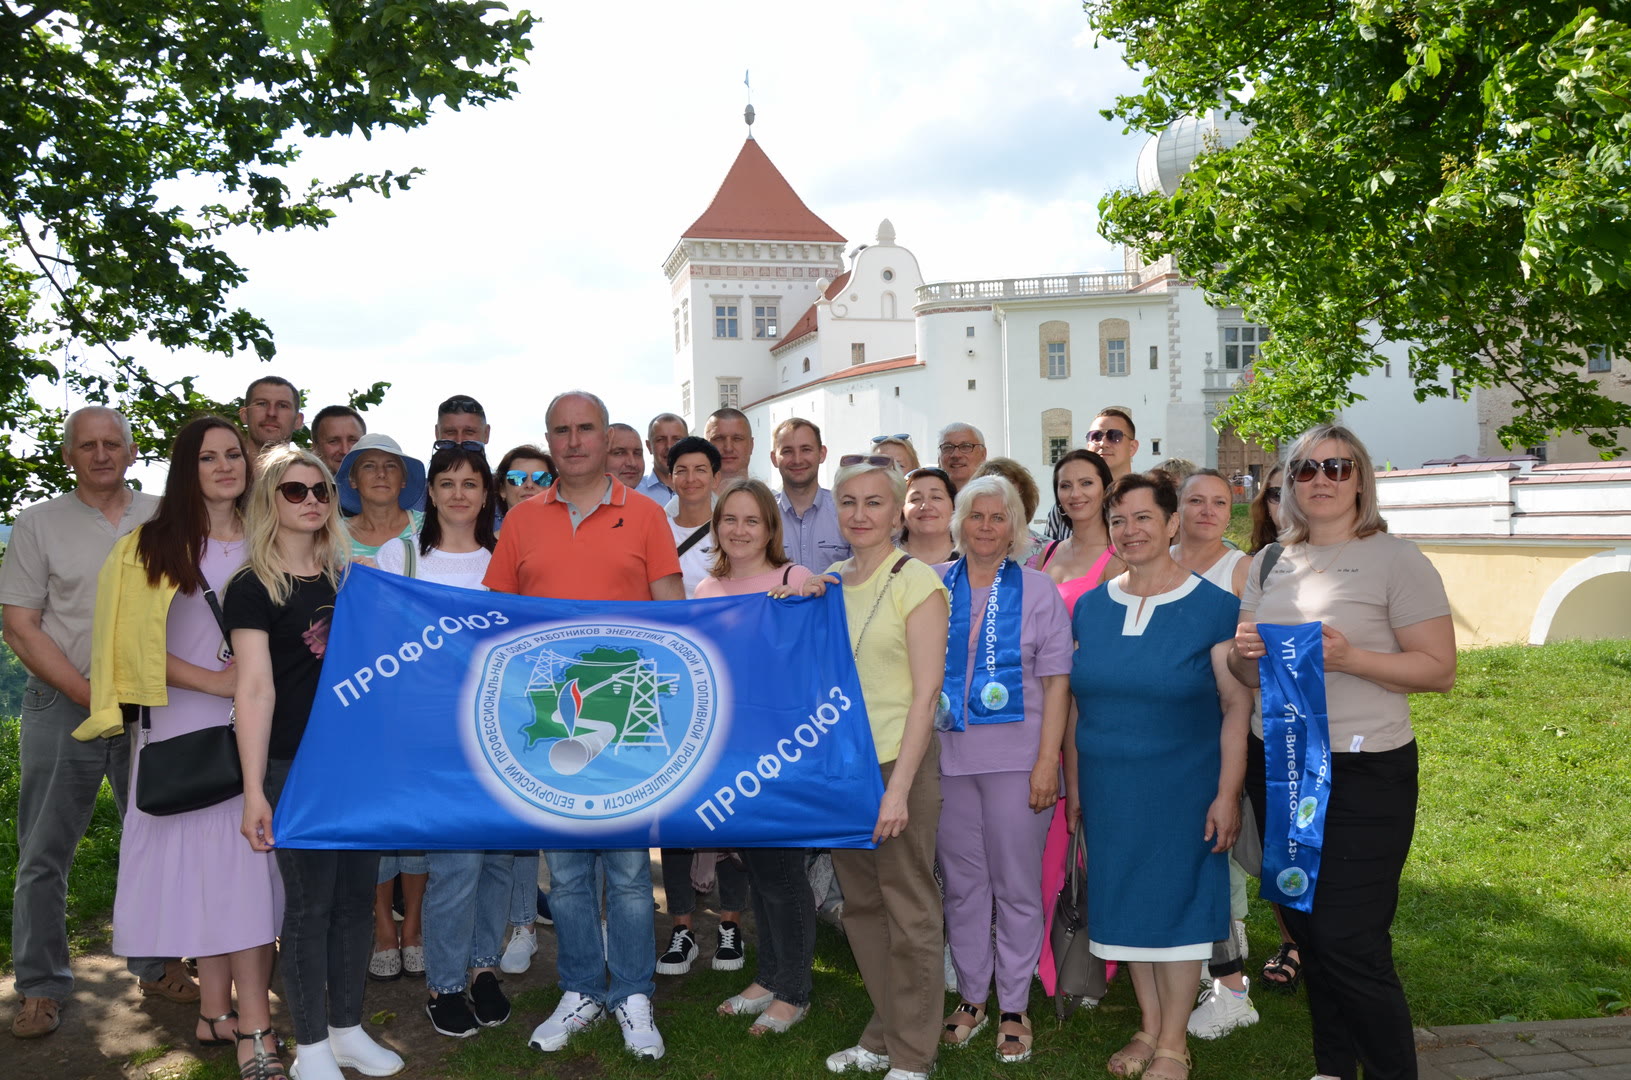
58	782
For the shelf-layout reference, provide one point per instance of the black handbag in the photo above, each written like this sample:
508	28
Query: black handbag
191	771
1079	975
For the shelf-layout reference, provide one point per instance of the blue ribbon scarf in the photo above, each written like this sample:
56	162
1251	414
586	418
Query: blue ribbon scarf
1297	748
996	693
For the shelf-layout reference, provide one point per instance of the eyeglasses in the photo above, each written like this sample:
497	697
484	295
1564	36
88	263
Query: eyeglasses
541	477
1109	435
960	447
296	492
449	444
1271	494
881	461
1336	469
902	437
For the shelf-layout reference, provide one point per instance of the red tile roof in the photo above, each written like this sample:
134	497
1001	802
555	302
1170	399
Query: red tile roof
757	203
807	322
855	372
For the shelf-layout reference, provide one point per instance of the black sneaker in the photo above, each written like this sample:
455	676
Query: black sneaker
492	1007
729	955
450	1015
682	950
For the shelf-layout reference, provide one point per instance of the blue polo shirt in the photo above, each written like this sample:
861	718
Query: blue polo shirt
814	540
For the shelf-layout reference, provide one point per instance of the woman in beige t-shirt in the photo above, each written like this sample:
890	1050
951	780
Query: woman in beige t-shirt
1387	634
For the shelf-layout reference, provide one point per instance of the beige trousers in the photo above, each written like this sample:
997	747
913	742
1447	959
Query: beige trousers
896	929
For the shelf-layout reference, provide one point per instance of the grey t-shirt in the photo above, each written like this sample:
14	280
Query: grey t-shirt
57	549
1367	590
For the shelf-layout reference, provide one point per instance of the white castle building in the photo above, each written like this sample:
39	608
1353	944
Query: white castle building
774	316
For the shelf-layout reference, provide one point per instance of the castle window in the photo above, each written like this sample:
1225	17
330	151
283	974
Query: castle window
725	319
857	352
1598	358
1240	345
1115	356
730	393
764	319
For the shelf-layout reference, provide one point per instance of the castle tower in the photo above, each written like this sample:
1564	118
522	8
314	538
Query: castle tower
738	277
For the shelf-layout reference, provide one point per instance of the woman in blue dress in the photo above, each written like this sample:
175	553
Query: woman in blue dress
1159	742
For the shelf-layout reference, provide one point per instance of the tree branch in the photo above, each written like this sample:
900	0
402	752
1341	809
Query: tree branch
33	17
73	310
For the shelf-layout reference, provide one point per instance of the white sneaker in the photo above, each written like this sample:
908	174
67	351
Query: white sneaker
575	1013
640	1034
859	1058
518	951
1221	1011
355	1049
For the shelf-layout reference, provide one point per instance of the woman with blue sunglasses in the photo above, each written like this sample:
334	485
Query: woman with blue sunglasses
521	474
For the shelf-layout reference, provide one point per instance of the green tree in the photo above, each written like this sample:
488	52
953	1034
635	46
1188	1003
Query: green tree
104	102
1447	173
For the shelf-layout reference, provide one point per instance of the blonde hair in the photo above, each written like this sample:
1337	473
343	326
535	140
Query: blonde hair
1000	486
904	444
265	561
896	481
1294	523
766	500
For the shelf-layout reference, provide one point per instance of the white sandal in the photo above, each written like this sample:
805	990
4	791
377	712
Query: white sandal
767	1023
386	965
739	1005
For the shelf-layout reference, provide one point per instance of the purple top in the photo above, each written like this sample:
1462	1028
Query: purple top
1046	648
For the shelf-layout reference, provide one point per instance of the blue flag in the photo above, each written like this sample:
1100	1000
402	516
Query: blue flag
453	719
1297	749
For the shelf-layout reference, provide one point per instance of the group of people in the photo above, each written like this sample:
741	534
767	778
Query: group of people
1095	675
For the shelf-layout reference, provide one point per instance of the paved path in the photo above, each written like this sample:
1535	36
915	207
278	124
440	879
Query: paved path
1598	1049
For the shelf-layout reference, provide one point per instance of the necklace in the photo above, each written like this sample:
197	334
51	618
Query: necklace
1172	583
1334	558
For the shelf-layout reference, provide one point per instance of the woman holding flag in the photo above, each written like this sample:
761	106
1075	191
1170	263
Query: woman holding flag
1384	632
1154	768
892	913
278	609
1008	683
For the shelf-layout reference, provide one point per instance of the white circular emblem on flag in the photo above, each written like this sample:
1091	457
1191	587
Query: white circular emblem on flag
596	721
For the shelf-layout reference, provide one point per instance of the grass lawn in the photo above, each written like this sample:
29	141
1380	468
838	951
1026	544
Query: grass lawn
1516	903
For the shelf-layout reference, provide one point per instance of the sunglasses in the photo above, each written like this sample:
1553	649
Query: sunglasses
902	437
960	447
1271	494
1109	435
541	477
296	492
881	461
449	444
1336	469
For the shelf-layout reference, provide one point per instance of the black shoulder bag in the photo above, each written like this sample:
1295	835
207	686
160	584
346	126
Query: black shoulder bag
191	771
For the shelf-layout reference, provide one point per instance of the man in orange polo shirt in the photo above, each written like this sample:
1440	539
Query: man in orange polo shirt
584	538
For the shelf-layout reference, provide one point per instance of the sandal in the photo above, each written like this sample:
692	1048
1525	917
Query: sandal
1122	1063
742	1005
1013	1046
1181	1057
263	1066
385	965
174	985
767	1023
215	1036
965	1022
1283	971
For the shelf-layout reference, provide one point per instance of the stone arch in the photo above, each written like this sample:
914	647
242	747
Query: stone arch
1591	599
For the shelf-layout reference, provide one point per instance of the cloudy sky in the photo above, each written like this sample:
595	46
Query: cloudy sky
529	258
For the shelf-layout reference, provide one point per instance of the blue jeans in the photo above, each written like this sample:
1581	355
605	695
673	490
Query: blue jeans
784	913
58	781
328	929
464	907
392	863
630	951
524	889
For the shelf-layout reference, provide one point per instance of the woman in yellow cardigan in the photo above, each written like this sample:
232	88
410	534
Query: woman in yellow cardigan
188	885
